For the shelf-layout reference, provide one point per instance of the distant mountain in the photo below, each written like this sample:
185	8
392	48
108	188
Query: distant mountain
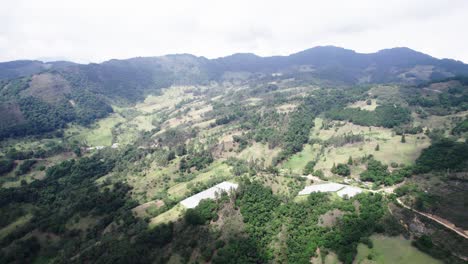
400	65
21	68
83	92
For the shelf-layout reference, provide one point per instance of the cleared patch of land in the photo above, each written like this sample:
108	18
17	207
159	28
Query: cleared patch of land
217	170
100	134
286	108
364	106
143	209
330	218
259	151
395	250
169	98
297	162
391	149
169	216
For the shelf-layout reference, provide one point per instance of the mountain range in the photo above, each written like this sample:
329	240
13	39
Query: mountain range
325	62
31	90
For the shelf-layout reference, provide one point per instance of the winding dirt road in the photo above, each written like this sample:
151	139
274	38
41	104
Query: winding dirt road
438	219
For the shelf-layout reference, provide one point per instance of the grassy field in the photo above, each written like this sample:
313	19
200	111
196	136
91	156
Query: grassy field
100	134
28	144
195	114
216	170
169	98
259	151
142	122
171	215
280	185
446	122
330	258
390	147
364	106
297	162
388	94
395	250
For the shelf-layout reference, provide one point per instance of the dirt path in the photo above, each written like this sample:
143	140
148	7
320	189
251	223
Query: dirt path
438	219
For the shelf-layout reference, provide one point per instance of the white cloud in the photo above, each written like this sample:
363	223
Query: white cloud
89	30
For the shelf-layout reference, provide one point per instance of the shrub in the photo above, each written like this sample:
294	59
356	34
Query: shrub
25	167
6	165
309	168
341	169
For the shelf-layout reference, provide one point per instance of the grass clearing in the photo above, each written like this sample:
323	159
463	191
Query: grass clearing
391	149
298	161
143	122
99	134
387	93
82	223
13	226
216	170
169	98
286	108
395	250
192	117
280	185
447	122
259	151
169	216
364	106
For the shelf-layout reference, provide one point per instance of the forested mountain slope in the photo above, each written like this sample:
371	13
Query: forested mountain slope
84	92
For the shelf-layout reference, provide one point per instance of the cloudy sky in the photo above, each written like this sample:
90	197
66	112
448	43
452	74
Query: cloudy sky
92	30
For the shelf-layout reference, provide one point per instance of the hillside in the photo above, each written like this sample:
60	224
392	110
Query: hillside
128	81
96	160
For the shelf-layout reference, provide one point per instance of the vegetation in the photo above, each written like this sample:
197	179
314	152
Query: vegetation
25	167
377	172
6	165
461	127
384	115
309	168
204	212
443	155
341	169
84	182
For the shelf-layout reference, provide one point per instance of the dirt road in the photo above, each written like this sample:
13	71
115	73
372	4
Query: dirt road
438	219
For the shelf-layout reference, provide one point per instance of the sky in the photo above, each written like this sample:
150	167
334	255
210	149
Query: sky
99	30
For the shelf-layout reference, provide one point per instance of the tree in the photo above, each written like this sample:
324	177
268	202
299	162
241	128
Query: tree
403	139
6	165
204	212
341	169
350	161
309	168
171	155
25	167
377	148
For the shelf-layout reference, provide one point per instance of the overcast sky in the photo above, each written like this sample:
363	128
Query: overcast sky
98	30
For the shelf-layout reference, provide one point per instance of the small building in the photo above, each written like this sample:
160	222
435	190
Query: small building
325	187
344	191
210	193
349	191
